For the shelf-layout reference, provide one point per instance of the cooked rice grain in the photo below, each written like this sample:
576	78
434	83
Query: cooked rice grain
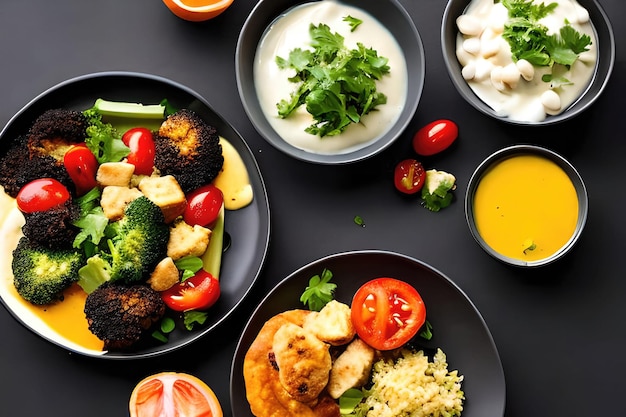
412	386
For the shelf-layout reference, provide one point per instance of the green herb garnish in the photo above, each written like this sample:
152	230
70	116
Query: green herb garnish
337	85
353	21
529	39
319	291
358	220
427	331
193	317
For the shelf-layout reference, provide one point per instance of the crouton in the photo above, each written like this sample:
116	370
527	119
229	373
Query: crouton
332	324
351	369
115	198
166	193
164	276
186	240
115	173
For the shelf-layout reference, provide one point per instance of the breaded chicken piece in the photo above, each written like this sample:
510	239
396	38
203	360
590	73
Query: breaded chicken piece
332	324
303	362
351	369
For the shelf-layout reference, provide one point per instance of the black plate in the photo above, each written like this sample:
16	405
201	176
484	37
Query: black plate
249	228
458	328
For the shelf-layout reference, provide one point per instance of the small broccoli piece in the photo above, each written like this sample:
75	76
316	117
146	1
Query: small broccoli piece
140	242
96	272
189	149
41	274
436	193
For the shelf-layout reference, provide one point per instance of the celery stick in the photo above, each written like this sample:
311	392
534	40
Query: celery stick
131	110
212	258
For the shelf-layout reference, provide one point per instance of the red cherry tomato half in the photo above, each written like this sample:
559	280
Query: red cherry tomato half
387	313
435	137
81	164
409	176
196	293
41	194
141	144
203	205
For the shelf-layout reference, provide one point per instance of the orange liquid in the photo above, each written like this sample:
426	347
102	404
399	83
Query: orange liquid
67	318
199	3
526	199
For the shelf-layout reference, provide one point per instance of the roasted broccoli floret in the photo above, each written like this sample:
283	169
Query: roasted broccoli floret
55	131
119	315
139	243
52	228
20	165
189	149
41	274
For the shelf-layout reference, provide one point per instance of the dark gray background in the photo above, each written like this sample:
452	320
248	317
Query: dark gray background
559	330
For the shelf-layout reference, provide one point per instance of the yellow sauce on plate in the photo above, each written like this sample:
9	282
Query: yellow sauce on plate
526	207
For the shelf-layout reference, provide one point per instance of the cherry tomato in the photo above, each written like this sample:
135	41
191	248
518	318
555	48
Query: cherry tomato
409	176
41	194
435	137
196	293
387	313
81	164
141	144
203	205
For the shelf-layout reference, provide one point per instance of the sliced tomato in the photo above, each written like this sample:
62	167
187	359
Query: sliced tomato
82	166
142	149
387	313
41	194
409	176
171	394
203	205
196	293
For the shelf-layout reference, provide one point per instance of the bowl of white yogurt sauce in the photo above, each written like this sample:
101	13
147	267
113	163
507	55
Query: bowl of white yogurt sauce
515	90
275	28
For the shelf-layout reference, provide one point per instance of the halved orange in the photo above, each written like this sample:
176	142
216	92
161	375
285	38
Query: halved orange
169	394
197	10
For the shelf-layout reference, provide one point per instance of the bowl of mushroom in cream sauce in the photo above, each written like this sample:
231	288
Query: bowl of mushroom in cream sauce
528	62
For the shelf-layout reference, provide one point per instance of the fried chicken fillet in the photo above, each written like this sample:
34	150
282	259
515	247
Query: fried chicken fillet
281	342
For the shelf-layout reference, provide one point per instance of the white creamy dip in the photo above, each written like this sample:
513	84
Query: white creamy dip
290	31
513	89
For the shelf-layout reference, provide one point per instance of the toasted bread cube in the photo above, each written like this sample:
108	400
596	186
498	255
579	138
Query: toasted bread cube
186	240
115	198
166	193
164	276
332	324
351	369
115	173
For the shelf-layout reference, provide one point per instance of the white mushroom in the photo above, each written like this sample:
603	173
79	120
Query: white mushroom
526	69
496	79
472	45
510	75
469	71
551	100
469	25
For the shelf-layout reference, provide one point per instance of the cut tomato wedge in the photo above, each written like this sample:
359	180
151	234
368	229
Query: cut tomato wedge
173	394
387	313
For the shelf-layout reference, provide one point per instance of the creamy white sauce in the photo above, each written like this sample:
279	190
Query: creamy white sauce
290	31
517	90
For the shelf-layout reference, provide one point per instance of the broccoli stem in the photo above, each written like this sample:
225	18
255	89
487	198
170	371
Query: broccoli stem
129	110
212	258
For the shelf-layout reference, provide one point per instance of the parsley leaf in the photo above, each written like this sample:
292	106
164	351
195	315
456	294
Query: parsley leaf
353	21
319	291
337	85
529	39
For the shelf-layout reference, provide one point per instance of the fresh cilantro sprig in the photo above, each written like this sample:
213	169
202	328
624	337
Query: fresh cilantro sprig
529	39
336	84
319	291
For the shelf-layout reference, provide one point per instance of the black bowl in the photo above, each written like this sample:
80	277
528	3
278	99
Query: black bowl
600	78
389	12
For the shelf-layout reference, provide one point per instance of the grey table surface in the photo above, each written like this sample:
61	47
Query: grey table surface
559	329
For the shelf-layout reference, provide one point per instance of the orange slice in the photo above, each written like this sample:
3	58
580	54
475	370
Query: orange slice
197	10
170	394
